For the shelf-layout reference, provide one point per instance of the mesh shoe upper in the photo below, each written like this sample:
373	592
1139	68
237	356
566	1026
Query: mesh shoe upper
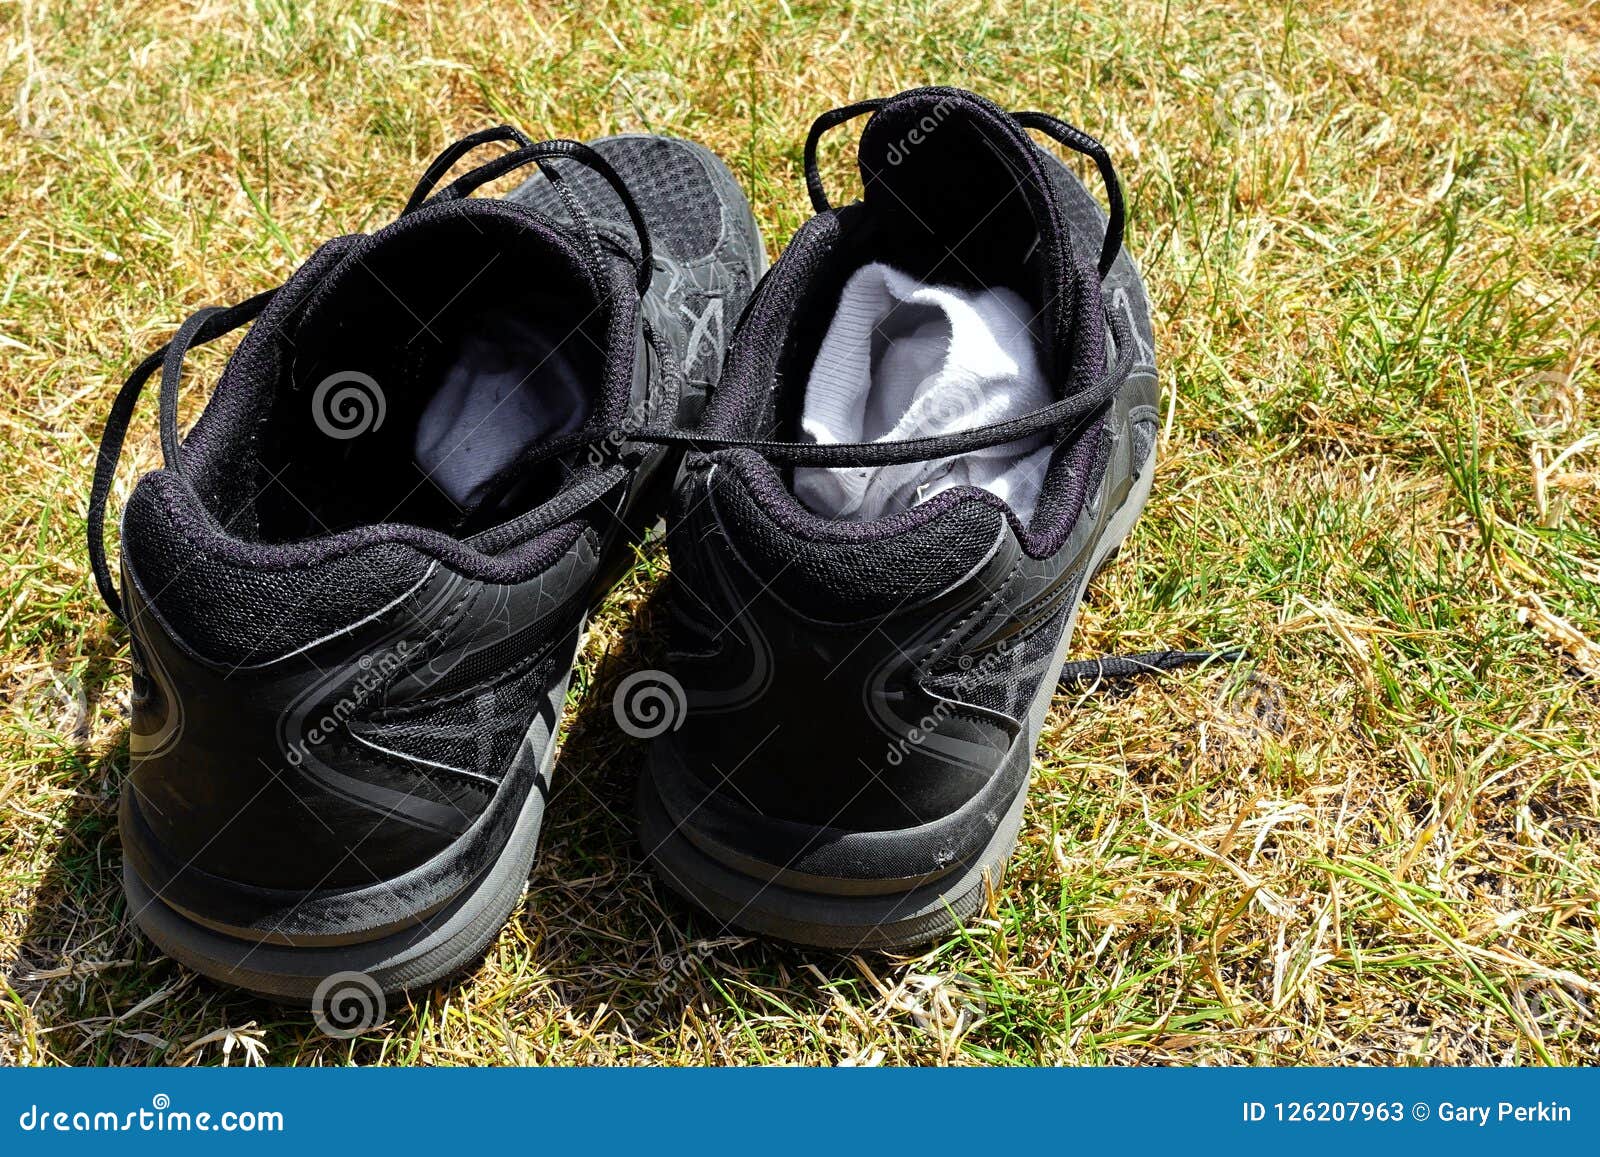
708	254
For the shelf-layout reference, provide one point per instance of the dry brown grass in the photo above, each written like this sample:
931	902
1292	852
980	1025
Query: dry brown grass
1371	237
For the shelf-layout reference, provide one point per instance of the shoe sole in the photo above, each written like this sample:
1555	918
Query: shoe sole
897	920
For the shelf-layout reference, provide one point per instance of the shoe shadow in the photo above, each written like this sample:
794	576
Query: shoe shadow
70	938
75	961
626	956
622	952
85	987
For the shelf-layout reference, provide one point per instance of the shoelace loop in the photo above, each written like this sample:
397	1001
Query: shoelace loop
1081	142
829	120
446	160
205	325
529	153
1057	129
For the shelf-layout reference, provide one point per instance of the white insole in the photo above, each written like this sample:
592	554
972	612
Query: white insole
904	359
508	387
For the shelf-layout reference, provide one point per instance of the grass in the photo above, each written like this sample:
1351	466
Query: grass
1371	237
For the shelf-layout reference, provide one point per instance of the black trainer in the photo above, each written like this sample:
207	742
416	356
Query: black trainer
862	696
355	590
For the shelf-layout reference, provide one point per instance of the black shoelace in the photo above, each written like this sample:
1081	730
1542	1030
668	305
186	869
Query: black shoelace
212	322
1134	666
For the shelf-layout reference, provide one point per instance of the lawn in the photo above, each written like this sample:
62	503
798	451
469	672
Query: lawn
1372	236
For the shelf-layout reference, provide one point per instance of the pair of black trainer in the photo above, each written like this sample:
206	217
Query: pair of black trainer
356	588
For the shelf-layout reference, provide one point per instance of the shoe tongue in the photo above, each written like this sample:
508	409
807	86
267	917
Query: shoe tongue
968	183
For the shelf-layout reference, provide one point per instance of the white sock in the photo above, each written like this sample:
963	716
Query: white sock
903	359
